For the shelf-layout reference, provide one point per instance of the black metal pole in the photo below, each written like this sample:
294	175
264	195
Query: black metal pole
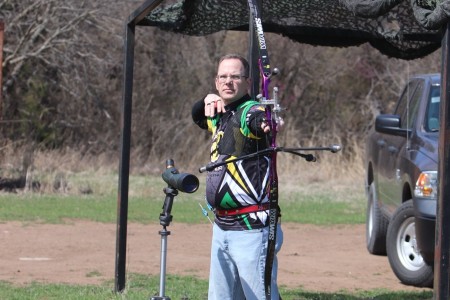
124	168
442	245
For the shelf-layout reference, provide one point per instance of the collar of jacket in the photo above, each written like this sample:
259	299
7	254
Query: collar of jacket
233	105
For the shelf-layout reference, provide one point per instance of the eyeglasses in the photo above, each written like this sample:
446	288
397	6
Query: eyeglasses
223	78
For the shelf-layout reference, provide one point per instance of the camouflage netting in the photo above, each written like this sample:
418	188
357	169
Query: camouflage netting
404	29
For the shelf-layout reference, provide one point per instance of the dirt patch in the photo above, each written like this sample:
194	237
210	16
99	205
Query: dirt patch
313	257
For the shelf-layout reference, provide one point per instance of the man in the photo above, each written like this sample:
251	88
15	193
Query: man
237	191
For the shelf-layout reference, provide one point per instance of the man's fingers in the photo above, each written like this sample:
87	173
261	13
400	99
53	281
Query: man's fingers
213	106
265	126
220	106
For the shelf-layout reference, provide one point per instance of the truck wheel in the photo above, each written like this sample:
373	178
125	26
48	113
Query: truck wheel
403	254
376	224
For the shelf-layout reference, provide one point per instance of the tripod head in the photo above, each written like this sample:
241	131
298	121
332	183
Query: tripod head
184	182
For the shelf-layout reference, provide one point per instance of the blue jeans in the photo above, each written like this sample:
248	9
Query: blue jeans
238	261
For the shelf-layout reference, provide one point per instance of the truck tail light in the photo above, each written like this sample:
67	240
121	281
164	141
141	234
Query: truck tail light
426	185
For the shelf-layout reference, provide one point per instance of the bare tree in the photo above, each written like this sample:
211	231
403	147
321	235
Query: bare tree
42	29
54	50
63	82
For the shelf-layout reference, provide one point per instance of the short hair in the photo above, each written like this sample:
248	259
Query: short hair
239	57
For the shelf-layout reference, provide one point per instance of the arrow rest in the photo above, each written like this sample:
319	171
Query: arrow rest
276	107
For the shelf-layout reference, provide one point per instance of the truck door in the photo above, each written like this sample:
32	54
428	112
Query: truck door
395	147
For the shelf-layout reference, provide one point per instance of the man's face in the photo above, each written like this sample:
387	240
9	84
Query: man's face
230	81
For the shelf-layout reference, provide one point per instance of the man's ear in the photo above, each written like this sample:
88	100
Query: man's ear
249	84
216	81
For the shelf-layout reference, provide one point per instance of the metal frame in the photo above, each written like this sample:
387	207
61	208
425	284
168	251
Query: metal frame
442	232
125	145
442	250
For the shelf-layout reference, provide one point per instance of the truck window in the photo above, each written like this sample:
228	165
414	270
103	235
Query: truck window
432	114
410	115
403	102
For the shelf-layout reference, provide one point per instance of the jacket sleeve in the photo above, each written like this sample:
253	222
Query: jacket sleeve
198	114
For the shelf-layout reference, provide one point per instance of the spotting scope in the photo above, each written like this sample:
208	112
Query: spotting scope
183	182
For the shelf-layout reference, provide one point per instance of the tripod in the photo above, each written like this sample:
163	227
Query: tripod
175	180
164	219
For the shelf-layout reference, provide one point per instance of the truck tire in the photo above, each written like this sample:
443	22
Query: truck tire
376	224
403	254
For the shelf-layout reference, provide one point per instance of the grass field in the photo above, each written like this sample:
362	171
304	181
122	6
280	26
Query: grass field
178	288
317	204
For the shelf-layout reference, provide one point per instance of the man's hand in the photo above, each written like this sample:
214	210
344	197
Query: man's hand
213	105
266	128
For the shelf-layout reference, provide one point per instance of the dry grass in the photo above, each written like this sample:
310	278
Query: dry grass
70	171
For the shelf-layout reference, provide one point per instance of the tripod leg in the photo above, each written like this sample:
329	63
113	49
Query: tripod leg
162	277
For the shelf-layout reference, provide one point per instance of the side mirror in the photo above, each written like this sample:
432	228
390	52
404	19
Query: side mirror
390	124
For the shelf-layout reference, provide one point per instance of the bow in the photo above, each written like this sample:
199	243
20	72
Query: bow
272	108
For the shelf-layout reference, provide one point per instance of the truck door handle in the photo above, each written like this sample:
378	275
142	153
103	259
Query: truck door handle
392	149
381	143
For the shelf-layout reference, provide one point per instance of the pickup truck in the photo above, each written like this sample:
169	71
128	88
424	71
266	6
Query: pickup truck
401	165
